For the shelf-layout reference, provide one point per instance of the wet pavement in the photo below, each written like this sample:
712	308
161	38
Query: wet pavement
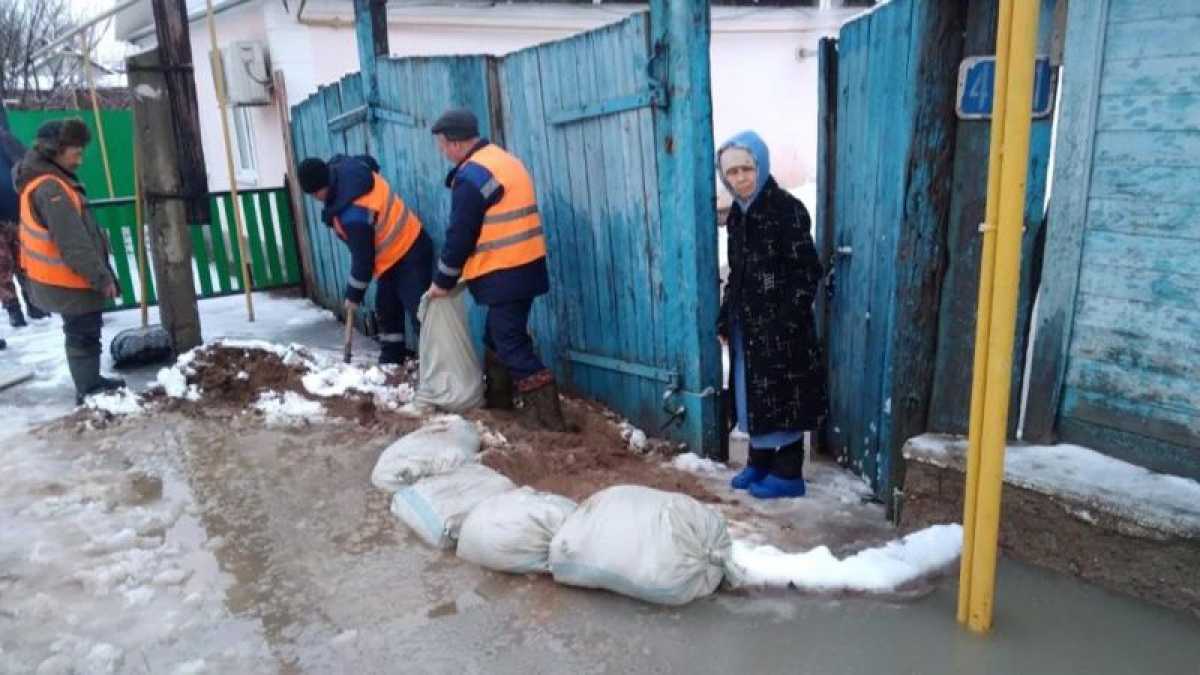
171	544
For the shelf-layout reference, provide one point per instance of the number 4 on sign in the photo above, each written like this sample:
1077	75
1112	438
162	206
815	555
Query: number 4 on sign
976	86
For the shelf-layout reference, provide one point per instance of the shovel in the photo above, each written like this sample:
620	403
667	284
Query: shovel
148	344
348	343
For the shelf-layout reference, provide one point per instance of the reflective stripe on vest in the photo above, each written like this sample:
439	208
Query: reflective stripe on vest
512	233
396	227
40	256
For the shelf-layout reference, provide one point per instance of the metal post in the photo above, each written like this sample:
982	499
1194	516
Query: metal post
987	266
1017	92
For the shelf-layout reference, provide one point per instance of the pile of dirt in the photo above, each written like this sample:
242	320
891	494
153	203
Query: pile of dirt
579	465
231	379
238	376
234	378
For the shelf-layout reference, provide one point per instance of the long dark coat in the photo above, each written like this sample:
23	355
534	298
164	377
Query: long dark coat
773	278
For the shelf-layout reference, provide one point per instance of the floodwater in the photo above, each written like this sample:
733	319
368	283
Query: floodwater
183	545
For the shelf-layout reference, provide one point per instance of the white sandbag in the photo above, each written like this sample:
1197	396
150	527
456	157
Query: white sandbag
442	445
511	532
435	507
451	377
661	547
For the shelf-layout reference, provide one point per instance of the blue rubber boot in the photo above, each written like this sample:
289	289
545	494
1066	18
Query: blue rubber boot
774	487
756	469
748	477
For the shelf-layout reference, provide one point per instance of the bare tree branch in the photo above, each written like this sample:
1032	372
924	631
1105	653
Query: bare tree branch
25	26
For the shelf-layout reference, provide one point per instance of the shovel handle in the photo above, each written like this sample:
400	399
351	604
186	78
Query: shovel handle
349	339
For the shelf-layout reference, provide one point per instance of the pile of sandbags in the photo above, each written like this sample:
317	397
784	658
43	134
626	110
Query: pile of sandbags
435	507
442	445
511	532
661	547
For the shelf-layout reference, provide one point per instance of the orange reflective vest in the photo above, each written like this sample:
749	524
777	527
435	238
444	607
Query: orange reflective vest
396	227
511	235
40	256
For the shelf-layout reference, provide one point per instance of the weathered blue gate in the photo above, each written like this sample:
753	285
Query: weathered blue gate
886	205
606	123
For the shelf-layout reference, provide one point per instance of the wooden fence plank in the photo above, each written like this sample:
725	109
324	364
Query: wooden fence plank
1148	148
1164	75
1140	10
1068	210
1168	112
1174	36
1150	217
201	258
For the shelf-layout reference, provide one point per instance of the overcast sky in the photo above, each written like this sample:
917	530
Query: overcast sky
109	50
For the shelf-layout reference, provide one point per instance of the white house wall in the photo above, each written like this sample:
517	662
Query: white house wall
240	23
764	68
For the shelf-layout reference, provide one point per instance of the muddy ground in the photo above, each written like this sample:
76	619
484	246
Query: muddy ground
575	465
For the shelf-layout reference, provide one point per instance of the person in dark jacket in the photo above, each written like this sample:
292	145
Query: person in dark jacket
768	322
11	152
63	252
386	240
496	244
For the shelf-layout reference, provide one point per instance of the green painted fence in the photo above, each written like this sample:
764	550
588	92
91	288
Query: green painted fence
118	133
216	258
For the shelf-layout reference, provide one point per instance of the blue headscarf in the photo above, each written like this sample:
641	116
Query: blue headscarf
752	143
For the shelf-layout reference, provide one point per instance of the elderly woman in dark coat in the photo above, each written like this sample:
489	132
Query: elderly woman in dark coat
768	322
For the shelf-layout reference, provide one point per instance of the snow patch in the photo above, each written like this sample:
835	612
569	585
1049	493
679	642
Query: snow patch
489	438
874	570
120	402
197	667
340	379
693	463
288	408
635	437
174	383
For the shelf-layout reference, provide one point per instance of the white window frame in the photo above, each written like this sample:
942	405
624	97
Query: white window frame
245	158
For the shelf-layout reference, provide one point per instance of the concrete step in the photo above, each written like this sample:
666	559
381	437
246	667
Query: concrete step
1076	511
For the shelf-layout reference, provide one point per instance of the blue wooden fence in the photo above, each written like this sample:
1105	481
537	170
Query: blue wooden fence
1115	359
631	317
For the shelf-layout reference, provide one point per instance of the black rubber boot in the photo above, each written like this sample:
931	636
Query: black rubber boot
85	371
498	383
15	318
788	462
395	354
3	344
543	411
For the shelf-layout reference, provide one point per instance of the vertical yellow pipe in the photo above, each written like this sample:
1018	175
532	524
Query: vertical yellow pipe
1014	170
87	71
218	68
987	262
